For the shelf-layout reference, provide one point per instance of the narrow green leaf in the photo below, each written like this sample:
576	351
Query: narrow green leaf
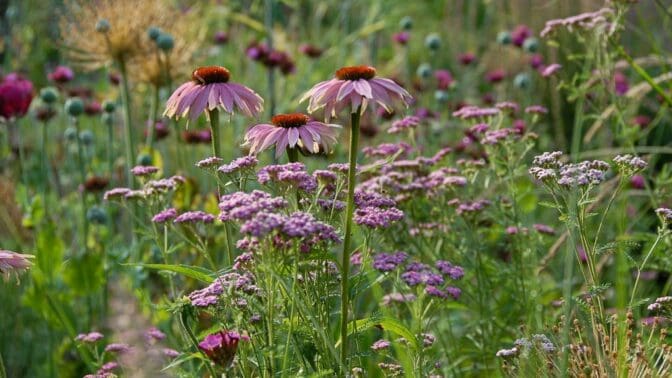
195	272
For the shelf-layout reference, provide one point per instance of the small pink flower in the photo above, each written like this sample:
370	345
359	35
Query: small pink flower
289	131
211	89
354	87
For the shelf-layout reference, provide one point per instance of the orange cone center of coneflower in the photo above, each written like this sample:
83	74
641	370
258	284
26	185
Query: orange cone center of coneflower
356	73
210	74
290	120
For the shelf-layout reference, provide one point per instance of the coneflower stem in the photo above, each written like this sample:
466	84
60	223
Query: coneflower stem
82	178
214	128
350	209
293	155
128	128
184	321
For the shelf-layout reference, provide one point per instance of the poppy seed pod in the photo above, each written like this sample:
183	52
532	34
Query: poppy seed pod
49	95
154	33
103	26
424	70
531	45
433	41
504	38
86	137
406	23
522	81
74	107
165	42
109	106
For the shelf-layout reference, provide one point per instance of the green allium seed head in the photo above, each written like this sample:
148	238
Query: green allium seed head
433	41
86	137
70	134
406	23
522	80
424	70
145	159
504	38
103	26
49	95
153	33
74	106
109	106
165	42
531	45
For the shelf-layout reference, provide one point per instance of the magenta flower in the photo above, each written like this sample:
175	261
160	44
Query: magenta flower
211	89
221	347
61	75
355	87
290	130
12	262
16	94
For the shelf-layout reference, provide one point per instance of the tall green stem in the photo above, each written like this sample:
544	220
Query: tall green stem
152	118
345	263
110	146
128	128
45	173
184	322
82	178
22	158
216	148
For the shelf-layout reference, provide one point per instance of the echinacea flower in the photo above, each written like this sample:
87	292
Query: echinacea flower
12	262
211	89
354	86
289	131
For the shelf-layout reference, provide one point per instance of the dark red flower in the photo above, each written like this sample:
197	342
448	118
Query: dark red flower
61	75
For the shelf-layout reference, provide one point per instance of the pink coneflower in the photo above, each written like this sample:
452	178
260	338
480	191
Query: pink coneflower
291	130
210	89
12	262
355	87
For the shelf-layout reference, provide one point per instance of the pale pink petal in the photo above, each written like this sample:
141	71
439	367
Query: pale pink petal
362	87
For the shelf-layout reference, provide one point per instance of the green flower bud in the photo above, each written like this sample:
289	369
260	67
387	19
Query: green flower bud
433	41
165	42
504	38
102	26
153	33
424	70
406	23
109	106
531	45
522	81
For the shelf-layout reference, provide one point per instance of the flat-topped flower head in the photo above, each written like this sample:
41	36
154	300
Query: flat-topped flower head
210	88
13	263
289	131
355	87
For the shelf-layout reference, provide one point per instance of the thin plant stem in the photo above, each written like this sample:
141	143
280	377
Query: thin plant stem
82	178
45	157
22	158
213	115
128	128
345	263
110	147
153	114
291	312
639	268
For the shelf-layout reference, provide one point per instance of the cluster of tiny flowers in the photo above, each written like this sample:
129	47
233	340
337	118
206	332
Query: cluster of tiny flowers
504	353
330	204
194	217
230	285
397	298
660	304
665	215
387	149
240	164
90	338
340	167
165	216
380	345
293	175
469	207
496	136
474	112
377	217
209	162
242	206
386	262
297	226
543	229
507	106
536	109
421	274
144	170
151	188
584	21
629	164
406	123
551	170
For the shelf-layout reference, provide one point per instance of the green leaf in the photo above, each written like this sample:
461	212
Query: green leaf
386	323
50	250
195	272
